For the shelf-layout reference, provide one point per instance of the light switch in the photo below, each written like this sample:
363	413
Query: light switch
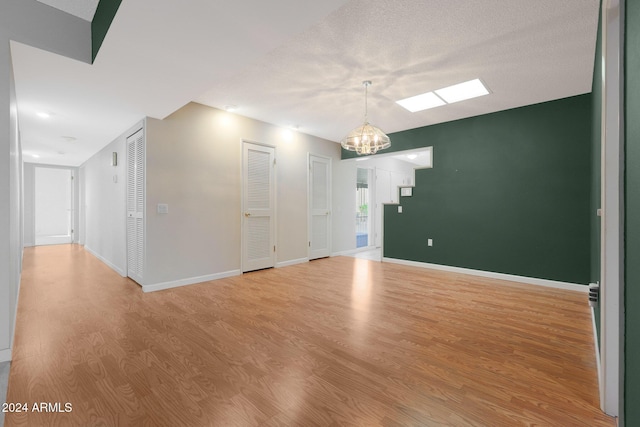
399	209
430	242
115	178
163	208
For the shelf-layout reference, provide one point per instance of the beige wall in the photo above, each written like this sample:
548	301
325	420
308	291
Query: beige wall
194	166
102	202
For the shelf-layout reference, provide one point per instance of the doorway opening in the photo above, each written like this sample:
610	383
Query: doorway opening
363	204
53	206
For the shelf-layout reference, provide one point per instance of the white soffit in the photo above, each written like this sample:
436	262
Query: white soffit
156	57
84	9
419	158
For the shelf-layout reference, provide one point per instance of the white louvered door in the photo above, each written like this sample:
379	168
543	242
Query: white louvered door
135	205
319	207
258	202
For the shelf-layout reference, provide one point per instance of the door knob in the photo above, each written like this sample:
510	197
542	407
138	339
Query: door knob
247	214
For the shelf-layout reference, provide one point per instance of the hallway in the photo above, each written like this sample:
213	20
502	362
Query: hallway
335	341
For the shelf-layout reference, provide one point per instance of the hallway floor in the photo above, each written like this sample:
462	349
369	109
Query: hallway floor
338	341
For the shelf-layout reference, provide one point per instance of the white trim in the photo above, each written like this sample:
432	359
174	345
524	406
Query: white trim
611	203
108	263
5	355
493	275
595	343
189	281
291	262
15	312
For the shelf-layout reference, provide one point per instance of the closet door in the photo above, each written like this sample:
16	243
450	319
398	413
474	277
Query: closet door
135	205
258	201
319	207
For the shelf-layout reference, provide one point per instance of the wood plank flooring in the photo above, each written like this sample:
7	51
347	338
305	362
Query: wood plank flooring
337	341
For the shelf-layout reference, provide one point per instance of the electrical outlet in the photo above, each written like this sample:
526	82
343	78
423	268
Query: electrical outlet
430	242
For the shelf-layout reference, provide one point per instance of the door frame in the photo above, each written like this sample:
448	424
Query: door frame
74	217
309	208
244	141
134	130
611	373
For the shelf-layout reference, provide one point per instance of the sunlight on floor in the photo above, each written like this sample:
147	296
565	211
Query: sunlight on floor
372	254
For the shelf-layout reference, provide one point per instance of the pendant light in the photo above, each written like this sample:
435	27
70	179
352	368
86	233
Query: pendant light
366	139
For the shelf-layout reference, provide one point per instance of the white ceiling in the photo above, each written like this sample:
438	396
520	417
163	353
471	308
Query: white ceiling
84	9
302	63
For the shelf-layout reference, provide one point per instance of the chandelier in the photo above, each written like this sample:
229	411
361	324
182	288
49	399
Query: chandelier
366	139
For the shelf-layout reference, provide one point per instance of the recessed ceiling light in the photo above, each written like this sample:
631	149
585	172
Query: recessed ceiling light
462	91
230	108
35	155
421	102
288	135
69	138
43	115
412	156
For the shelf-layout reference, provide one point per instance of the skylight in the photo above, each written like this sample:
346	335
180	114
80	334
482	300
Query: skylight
448	95
421	102
462	91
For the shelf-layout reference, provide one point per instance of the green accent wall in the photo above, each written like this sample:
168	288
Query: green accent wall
510	192
101	22
596	168
632	214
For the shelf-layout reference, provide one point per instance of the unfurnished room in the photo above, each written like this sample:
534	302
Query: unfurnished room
294	213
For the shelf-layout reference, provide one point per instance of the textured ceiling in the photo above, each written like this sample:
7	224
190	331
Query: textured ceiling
302	63
525	51
84	9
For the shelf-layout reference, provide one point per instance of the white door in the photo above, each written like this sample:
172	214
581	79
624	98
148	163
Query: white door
258	207
135	205
53	206
319	207
383	195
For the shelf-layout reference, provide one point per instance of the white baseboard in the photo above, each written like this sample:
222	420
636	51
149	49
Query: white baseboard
15	311
109	264
291	262
596	345
493	275
5	355
189	281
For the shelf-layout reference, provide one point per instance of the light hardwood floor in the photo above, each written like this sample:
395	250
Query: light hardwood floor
339	341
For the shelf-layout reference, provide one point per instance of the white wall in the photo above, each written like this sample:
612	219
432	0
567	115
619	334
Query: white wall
102	204
194	166
38	25
11	209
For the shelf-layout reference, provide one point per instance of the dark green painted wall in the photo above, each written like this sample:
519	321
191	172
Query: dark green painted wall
105	13
596	155
632	214
509	193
